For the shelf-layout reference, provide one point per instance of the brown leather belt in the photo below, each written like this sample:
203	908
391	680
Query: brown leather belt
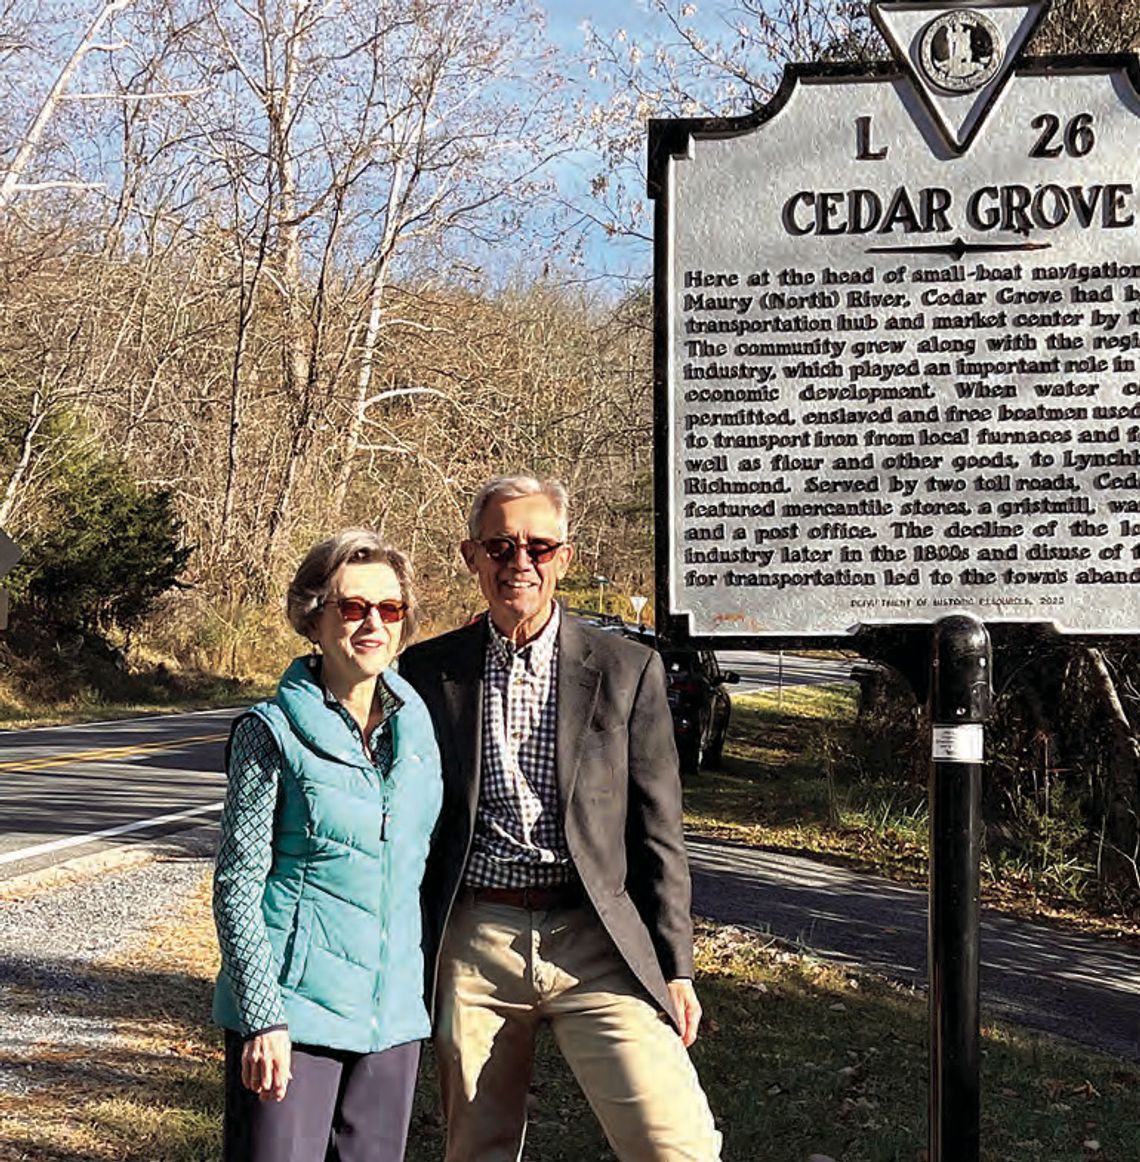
536	899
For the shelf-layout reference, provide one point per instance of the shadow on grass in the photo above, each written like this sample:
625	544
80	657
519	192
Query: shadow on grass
775	764
105	993
1067	983
815	1065
795	1057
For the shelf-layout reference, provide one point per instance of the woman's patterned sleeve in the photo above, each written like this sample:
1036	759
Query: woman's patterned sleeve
245	855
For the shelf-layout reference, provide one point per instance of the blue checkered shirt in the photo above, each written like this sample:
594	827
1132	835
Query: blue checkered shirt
520	840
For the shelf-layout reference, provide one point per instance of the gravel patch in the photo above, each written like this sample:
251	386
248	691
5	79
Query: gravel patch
50	945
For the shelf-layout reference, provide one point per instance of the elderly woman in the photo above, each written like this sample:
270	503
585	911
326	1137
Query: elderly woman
334	789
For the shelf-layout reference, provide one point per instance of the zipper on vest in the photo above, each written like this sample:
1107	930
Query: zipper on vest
385	817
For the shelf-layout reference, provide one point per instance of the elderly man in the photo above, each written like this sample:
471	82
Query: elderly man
558	888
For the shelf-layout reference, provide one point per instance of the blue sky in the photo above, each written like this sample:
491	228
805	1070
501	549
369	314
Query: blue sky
564	22
644	24
565	16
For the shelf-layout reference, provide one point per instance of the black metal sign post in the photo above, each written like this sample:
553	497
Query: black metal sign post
960	696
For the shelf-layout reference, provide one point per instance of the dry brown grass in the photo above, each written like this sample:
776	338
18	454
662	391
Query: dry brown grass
150	1092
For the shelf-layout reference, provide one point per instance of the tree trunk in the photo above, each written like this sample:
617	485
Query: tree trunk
248	291
1119	790
369	344
10	182
19	471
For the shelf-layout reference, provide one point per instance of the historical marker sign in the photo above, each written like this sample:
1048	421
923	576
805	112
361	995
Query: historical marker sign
898	351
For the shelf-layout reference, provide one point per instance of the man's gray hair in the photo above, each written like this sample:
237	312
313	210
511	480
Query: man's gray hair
310	586
513	487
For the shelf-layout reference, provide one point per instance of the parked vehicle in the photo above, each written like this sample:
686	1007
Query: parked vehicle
699	703
698	700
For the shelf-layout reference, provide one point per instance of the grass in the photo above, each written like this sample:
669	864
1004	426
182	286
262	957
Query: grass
797	1057
794	779
50	677
87	705
784	785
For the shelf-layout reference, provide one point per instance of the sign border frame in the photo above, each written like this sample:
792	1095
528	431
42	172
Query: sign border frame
668	140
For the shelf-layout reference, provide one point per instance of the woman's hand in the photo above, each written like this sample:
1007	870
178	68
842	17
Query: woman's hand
265	1064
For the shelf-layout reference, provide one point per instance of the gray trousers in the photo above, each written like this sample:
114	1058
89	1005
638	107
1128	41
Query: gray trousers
339	1107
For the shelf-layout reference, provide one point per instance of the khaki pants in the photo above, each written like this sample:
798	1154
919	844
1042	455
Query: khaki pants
505	969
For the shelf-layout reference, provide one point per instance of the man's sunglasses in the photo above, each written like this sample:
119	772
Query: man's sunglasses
504	549
357	609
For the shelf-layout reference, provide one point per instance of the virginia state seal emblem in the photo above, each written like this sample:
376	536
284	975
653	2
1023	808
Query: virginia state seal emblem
961	51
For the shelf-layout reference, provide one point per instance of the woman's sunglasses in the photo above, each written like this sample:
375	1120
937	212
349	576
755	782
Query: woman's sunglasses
502	549
357	609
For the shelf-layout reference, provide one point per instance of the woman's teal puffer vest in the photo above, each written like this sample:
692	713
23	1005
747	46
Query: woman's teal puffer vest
342	899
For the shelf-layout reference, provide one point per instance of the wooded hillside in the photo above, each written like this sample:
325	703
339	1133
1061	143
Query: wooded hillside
295	266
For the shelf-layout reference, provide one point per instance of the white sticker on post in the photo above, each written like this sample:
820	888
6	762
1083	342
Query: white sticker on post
959	744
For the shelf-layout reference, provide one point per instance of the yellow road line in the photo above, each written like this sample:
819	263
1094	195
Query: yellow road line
104	754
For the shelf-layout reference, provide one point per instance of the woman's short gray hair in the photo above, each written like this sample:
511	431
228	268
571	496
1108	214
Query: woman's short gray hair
513	487
310	585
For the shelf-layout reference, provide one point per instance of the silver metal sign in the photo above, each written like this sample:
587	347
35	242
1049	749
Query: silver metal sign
898	353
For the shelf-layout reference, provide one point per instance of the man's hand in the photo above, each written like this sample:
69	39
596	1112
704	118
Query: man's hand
265	1064
687	1008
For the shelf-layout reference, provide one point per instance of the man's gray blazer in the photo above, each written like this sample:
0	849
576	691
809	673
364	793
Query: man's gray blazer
617	777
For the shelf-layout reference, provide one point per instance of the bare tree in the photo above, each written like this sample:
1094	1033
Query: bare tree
12	180
57	166
699	62
1081	26
450	73
353	138
279	302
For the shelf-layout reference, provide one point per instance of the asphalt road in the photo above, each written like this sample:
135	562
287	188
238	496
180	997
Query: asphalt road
1080	987
73	790
763	670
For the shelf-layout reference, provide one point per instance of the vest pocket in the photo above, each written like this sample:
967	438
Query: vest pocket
297	949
